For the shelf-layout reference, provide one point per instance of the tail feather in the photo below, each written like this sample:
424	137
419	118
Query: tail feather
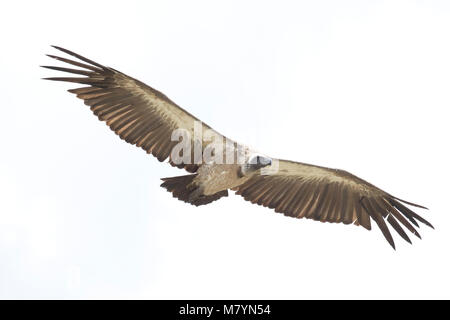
184	189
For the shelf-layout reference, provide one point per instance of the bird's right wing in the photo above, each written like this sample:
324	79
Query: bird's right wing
139	114
329	195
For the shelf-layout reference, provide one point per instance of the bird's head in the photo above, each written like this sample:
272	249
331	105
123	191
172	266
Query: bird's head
261	162
256	162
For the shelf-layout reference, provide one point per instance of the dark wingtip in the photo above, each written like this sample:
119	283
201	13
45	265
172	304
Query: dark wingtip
59	48
52	56
391	241
76	55
425	222
410	203
51	78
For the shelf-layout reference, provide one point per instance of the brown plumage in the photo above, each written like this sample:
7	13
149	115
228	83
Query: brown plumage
145	117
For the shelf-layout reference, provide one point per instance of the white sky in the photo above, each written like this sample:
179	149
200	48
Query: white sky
357	85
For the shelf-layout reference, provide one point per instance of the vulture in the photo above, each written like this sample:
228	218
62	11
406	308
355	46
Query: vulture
148	119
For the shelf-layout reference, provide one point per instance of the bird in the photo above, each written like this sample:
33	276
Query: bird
148	119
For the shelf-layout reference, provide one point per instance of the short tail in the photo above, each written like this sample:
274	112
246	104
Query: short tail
184	189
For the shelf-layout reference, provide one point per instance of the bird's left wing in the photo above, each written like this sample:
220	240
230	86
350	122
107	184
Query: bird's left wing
329	195
136	112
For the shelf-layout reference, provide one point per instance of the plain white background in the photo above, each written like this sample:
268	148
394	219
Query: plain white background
357	85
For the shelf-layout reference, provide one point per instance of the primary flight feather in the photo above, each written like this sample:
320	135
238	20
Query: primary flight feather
145	117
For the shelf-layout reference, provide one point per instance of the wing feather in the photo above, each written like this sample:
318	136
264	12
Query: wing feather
329	195
139	114
398	228
370	206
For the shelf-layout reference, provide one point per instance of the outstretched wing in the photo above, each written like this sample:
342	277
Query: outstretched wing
139	114
306	191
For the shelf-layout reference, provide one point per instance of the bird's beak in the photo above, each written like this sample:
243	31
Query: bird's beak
264	162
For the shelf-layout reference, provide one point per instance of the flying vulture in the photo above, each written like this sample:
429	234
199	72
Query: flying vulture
145	117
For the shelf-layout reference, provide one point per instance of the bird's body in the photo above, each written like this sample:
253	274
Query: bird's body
218	177
148	119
